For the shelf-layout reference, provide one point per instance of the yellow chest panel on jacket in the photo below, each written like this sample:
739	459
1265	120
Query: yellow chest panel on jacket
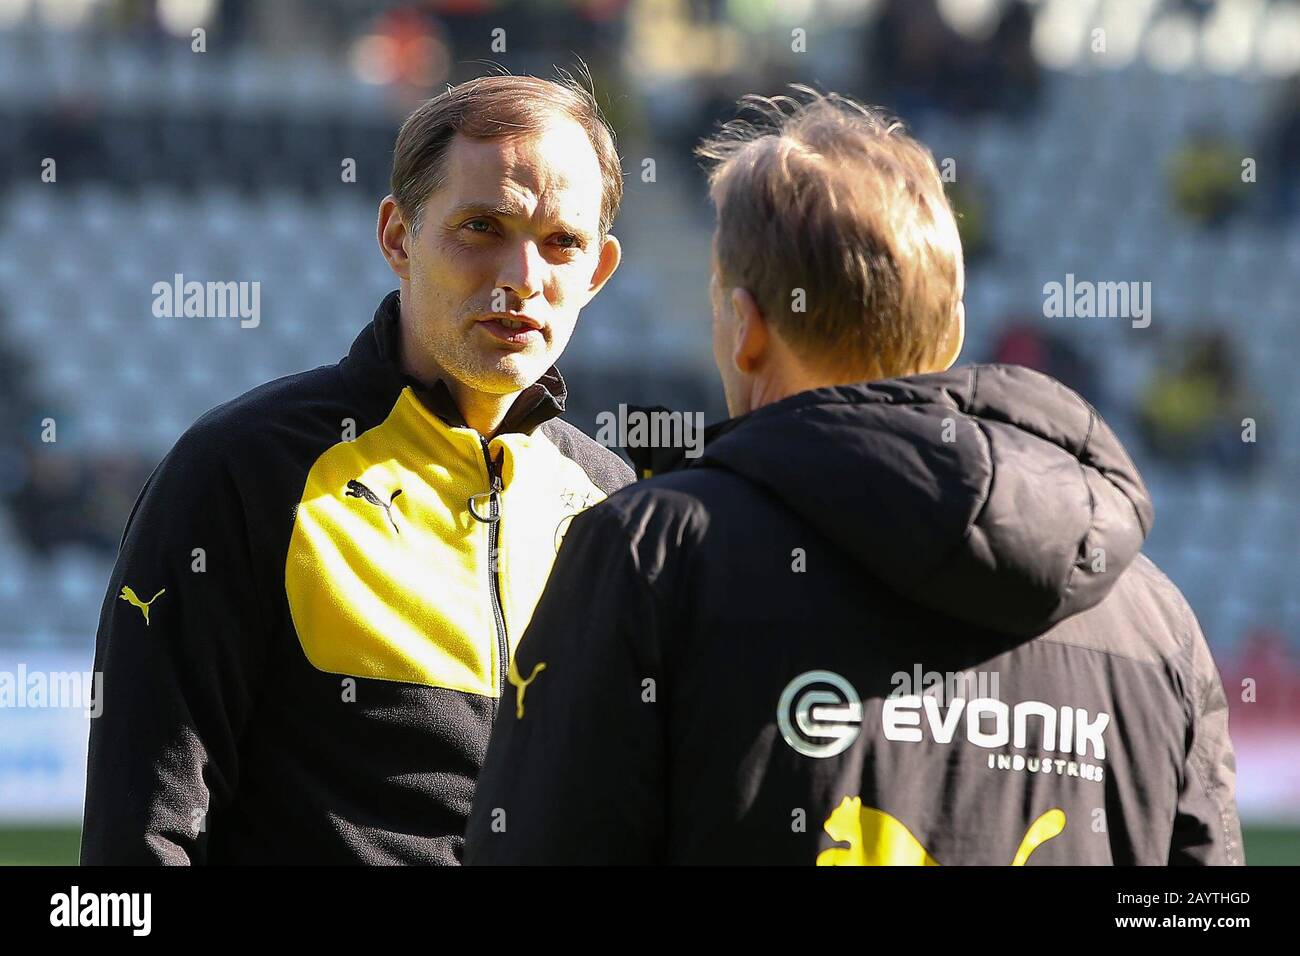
389	575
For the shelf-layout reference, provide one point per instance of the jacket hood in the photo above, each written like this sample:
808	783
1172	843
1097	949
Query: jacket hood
990	493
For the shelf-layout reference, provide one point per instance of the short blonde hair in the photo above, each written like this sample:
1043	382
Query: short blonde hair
834	198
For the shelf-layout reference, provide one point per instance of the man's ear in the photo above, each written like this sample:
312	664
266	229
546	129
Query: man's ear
958	339
751	331
394	237
611	254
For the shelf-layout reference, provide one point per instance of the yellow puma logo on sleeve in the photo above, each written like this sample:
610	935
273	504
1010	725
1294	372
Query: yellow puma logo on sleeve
521	684
129	596
875	838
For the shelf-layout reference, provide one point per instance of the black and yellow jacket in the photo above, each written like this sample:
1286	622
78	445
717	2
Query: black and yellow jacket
306	635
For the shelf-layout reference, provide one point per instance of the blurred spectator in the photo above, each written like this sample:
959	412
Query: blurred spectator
56	497
1192	409
1205	178
60	498
72	134
909	50
1200	9
407	50
15	406
919	62
1015	77
47	507
1281	170
1266	661
971	208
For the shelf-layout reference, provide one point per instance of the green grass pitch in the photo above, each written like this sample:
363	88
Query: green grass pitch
53	846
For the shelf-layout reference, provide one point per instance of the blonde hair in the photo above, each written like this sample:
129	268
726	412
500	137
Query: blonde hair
833	198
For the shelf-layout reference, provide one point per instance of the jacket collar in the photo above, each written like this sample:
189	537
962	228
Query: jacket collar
374	367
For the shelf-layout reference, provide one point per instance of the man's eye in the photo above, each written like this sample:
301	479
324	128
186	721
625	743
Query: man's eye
567	241
478	225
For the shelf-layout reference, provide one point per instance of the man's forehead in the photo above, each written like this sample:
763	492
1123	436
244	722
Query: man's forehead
555	170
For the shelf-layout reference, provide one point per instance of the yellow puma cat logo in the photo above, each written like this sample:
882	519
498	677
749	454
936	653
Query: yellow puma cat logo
521	684
1050	824
877	839
130	597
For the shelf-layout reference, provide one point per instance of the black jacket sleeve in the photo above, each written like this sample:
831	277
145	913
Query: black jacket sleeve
1207	830
179	685
575	769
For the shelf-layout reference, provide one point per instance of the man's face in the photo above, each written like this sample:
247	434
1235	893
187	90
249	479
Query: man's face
507	252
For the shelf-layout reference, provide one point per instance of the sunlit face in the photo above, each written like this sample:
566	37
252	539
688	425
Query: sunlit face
507	252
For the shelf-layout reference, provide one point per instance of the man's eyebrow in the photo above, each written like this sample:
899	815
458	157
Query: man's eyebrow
507	210
502	210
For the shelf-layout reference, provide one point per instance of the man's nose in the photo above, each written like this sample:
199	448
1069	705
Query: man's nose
523	270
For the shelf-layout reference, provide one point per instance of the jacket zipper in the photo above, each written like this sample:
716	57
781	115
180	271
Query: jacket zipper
494	572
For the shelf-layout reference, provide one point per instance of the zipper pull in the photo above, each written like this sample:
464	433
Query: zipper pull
493	495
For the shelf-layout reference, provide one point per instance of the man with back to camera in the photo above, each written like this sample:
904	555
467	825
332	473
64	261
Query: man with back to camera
896	613
309	627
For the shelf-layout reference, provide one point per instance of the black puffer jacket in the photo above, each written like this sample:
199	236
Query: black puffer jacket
898	622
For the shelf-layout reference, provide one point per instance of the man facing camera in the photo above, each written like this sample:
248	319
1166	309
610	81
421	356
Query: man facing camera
310	624
896	613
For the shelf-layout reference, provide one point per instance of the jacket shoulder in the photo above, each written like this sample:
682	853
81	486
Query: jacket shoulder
1145	617
282	401
666	518
241	459
1170	605
306	408
607	471
267	432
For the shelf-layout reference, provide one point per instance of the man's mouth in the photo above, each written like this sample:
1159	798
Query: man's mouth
517	330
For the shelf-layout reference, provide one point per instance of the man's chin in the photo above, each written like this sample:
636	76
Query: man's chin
513	373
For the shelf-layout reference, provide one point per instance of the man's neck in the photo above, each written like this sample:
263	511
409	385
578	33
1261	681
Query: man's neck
782	382
482	412
783	379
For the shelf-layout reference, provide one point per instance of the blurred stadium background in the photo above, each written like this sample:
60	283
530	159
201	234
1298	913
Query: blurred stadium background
1164	149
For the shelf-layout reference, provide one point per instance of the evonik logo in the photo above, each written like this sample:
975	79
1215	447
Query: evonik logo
820	714
1059	729
994	725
